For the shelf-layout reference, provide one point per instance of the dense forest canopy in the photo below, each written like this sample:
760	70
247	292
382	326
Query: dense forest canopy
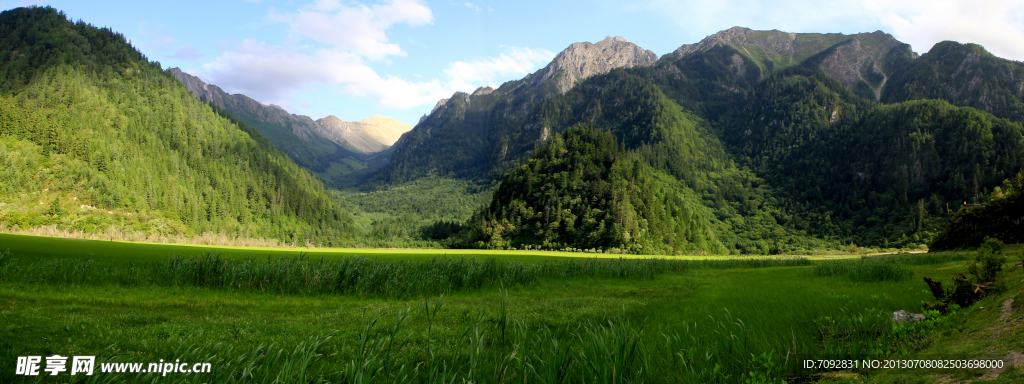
93	136
584	191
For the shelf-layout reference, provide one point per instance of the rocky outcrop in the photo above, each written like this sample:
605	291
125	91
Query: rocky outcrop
902	316
483	91
468	134
440	103
582	60
860	61
778	42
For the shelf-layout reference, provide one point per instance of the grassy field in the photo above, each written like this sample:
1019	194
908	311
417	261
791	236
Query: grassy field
574	321
115	251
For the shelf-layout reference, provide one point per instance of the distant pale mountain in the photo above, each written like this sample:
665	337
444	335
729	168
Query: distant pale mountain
370	135
330	146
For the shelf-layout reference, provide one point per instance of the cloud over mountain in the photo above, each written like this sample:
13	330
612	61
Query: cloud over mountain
340	46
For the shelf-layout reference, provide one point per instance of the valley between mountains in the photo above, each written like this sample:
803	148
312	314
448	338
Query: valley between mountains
746	142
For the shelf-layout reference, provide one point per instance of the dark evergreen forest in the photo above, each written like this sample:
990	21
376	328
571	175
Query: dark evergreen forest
94	136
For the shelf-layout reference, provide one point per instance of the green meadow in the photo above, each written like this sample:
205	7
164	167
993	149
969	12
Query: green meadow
117	251
401	316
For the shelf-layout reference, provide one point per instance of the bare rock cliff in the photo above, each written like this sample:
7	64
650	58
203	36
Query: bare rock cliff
854	60
581	60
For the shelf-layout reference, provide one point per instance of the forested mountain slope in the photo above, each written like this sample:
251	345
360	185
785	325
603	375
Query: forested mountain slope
294	135
782	136
964	75
1001	218
681	149
707	78
338	152
582	190
94	137
885	174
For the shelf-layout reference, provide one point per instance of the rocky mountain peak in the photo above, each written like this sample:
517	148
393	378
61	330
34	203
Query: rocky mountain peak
439	104
858	61
781	42
205	92
581	60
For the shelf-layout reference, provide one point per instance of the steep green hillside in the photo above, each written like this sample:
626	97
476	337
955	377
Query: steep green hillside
94	137
964	75
583	191
314	144
639	115
878	174
311	152
679	147
787	115
467	136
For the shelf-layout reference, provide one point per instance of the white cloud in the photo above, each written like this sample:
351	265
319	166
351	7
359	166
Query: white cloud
998	25
159	41
275	74
347	38
156	38
514	62
357	28
708	17
473	7
188	52
272	73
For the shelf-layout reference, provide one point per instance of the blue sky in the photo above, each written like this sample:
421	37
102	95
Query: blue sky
357	58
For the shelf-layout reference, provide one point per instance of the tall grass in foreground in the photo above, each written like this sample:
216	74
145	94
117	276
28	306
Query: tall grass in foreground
881	268
351	275
495	348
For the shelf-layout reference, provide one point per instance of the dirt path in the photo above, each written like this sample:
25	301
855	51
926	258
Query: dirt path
1007	310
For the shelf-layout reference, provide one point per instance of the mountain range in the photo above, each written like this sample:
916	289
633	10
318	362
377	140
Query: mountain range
845	138
745	142
328	146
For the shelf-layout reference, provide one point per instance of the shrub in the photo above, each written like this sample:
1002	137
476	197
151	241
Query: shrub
962	293
988	262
